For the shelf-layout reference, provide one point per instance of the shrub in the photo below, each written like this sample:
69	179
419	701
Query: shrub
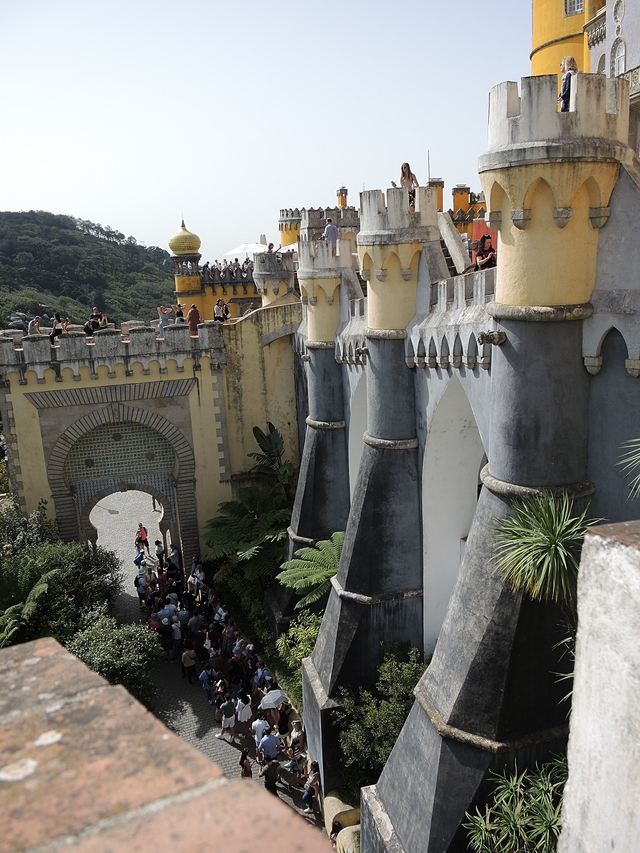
122	655
294	645
370	719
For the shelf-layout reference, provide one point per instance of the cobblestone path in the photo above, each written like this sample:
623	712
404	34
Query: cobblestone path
181	706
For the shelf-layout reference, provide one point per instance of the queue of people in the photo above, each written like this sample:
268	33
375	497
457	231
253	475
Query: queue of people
194	629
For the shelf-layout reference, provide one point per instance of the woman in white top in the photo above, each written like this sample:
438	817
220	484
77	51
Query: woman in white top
408	180
243	711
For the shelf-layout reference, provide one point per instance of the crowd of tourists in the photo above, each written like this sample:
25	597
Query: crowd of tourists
195	630
232	270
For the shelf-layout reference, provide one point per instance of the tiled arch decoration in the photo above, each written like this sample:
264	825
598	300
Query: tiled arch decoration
70	515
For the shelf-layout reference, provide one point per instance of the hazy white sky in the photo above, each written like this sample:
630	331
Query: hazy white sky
133	113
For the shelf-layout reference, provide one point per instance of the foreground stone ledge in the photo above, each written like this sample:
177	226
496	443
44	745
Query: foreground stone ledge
83	766
600	808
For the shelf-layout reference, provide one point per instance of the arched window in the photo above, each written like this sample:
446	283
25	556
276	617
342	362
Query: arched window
618	58
602	64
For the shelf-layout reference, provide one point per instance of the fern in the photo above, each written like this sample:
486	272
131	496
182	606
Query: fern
311	569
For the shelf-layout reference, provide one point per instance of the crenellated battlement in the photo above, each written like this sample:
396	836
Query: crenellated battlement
314	219
110	349
599	110
393	221
272	268
315	259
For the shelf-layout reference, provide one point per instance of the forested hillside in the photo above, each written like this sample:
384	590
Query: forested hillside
50	262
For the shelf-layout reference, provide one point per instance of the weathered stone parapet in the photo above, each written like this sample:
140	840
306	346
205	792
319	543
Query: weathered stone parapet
75	772
531	128
274	275
600	808
109	348
378	218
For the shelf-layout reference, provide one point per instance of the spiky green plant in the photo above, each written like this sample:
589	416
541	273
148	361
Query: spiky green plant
311	569
630	464
524	815
539	546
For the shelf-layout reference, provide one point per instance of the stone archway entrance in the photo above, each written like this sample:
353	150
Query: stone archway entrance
122	448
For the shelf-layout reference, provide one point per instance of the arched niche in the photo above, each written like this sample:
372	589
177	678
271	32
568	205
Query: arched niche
452	460
357	428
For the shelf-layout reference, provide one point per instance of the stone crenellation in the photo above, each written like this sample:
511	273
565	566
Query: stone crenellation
316	260
599	110
274	268
110	348
378	216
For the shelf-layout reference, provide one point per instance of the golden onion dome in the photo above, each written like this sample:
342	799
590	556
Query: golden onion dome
184	242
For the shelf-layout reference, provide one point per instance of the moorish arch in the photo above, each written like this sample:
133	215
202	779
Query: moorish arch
453	457
116	448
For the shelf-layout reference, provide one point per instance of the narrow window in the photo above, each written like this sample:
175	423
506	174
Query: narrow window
573	7
618	58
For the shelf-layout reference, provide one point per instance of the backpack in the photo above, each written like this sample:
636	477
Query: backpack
138	558
136	581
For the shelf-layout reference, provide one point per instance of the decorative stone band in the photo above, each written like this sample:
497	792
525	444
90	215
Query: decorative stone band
300	540
326	424
484	743
512	490
386	334
368	600
390	444
540	313
320	344
310	274
423	234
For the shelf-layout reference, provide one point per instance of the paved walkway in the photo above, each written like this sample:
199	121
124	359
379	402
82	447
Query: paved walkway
181	706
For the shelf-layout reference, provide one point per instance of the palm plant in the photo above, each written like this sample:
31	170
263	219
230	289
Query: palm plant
311	569
630	464
270	462
539	546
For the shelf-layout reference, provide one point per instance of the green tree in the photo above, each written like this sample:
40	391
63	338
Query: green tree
370	718
524	813
311	570
123	655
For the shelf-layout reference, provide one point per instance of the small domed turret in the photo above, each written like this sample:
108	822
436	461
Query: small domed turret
184	242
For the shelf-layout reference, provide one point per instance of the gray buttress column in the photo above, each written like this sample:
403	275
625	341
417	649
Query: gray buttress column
322	498
492	695
377	593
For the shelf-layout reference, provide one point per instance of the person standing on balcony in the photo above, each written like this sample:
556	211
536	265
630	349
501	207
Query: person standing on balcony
408	180
568	69
331	235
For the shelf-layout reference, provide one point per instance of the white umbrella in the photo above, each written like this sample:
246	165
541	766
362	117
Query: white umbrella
247	248
272	699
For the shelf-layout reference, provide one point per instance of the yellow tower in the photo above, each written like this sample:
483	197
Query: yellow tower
548	201
389	263
186	258
558	30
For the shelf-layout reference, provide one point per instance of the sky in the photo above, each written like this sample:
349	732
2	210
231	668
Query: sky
135	113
